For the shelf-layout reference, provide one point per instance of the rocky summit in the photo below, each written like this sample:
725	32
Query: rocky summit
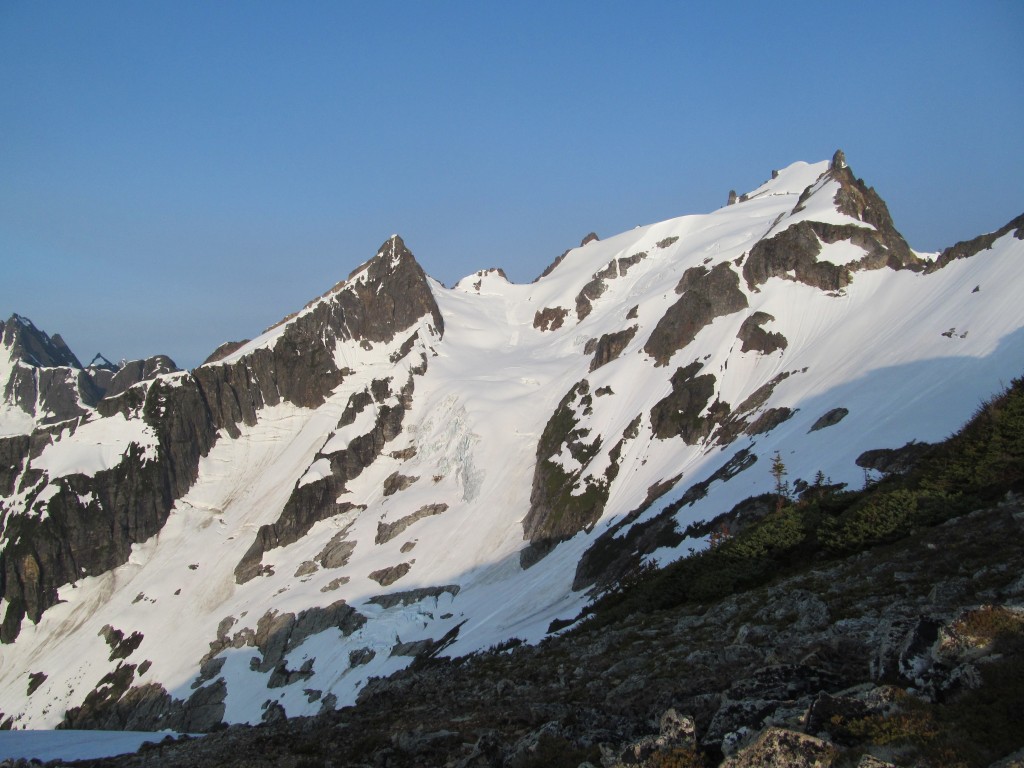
685	499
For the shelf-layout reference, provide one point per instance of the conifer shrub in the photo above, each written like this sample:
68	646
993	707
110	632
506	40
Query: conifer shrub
976	466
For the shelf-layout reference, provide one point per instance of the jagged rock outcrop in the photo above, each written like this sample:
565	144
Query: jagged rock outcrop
317	500
829	419
556	512
550	318
678	414
598	284
412	596
136	371
225	349
34	347
387	531
756	338
101	371
385	296
608	347
793	252
46	381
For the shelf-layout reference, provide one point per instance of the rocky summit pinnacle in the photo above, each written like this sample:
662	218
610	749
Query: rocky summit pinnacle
34	347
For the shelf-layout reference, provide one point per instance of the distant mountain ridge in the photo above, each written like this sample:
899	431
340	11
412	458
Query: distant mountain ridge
401	469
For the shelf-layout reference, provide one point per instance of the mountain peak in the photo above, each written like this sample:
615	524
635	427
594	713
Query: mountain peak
860	201
99	361
34	347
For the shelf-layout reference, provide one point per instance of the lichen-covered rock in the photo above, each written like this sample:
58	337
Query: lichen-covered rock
783	748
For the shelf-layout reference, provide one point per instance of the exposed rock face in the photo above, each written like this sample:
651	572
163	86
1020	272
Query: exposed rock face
592	291
556	512
783	747
830	419
387	531
609	346
411	596
774	676
756	338
793	254
703	295
317	500
225	349
550	318
101	371
148	707
13	452
131	503
47	380
388	576
599	282
337	552
885	245
34	347
136	371
396	482
888	460
277	635
678	413
385	296
115	704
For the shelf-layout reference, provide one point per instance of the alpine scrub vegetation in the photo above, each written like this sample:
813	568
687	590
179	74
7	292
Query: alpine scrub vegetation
977	466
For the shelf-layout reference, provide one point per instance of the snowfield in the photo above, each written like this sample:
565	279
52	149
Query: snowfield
910	356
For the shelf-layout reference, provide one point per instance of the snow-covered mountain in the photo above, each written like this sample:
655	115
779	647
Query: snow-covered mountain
403	469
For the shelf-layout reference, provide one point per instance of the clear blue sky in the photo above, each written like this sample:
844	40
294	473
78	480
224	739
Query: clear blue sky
177	174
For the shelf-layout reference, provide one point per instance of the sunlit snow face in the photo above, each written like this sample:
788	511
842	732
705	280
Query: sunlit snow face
445	546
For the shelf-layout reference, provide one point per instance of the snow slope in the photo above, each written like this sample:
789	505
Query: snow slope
910	355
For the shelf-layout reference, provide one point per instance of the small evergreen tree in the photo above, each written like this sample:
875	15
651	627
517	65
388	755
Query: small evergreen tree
781	485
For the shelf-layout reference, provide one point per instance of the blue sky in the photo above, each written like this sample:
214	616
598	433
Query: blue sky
175	174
